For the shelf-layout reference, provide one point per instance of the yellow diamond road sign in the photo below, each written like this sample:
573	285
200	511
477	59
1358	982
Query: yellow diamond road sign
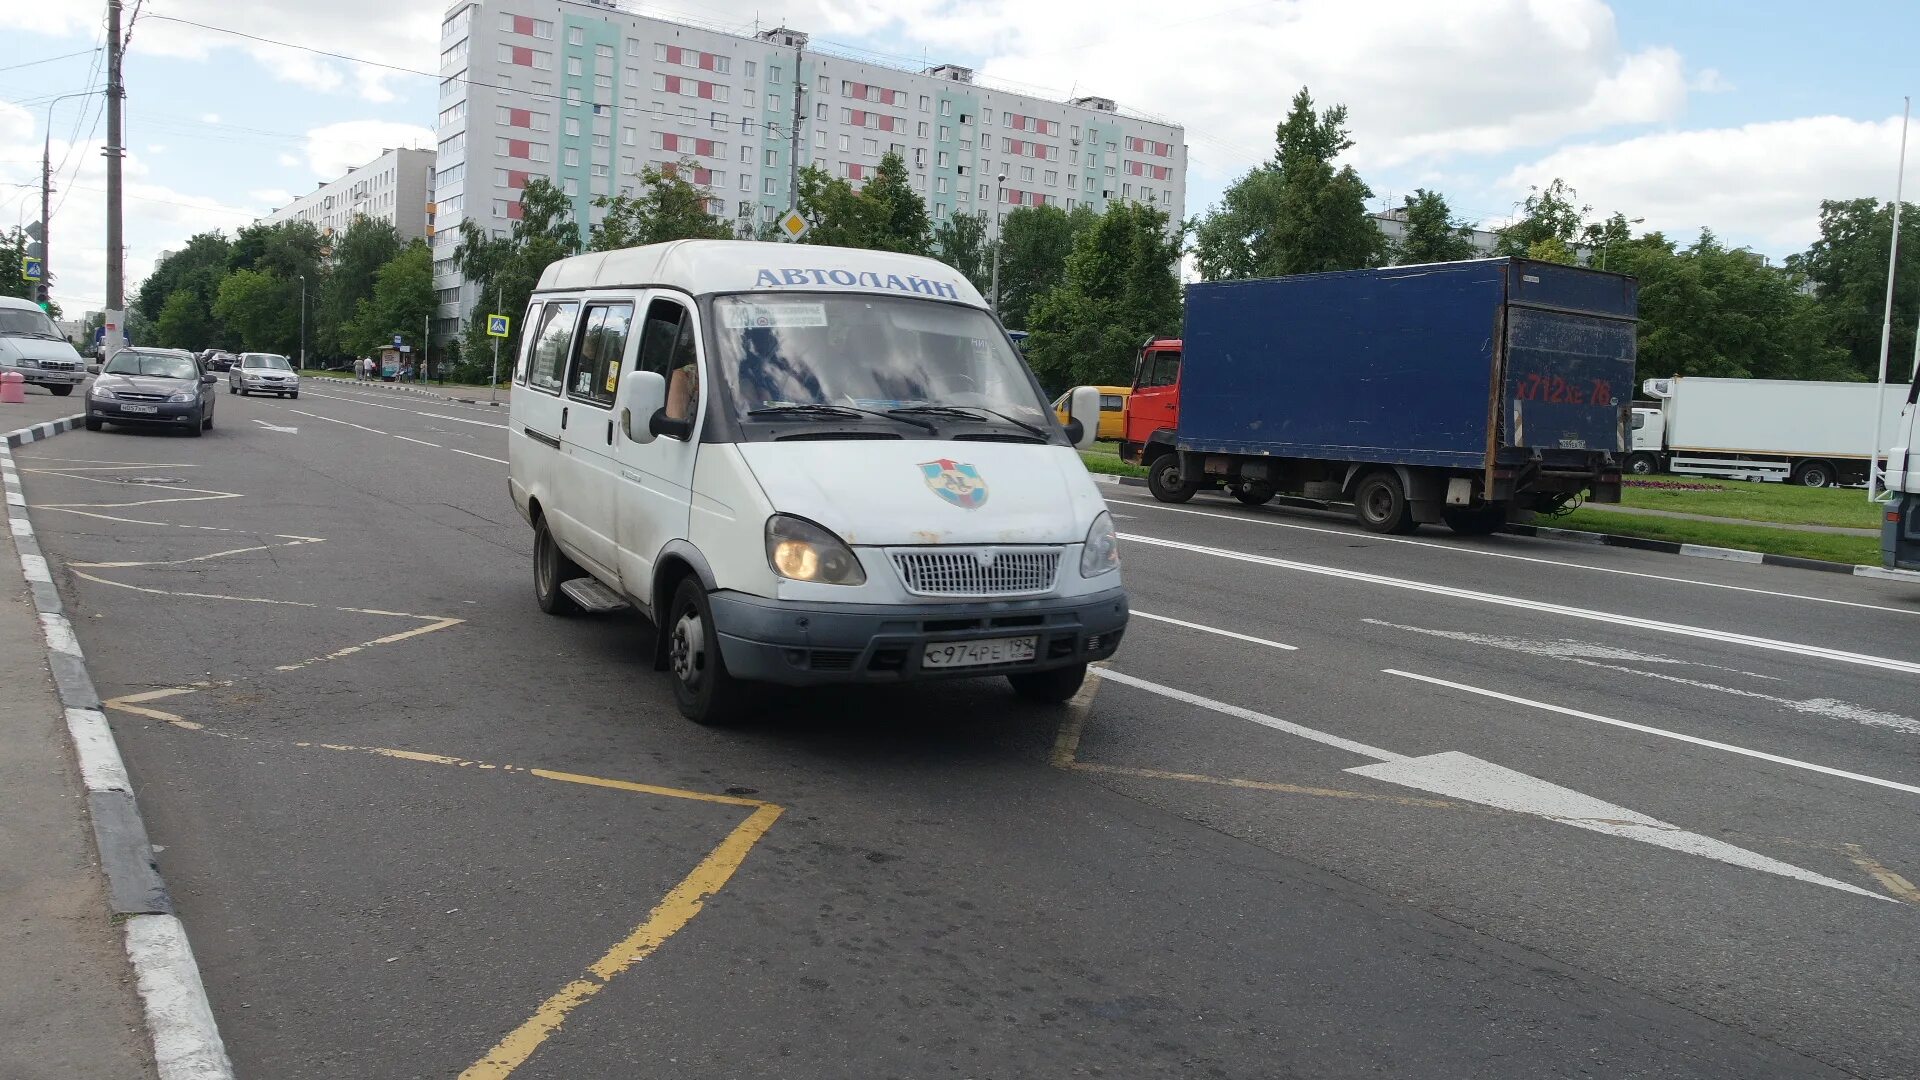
793	225
496	326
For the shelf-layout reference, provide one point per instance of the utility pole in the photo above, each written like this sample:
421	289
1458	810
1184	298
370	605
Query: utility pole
45	238
1875	473
116	315
793	137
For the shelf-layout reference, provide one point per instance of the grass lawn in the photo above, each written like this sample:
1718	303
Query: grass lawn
1104	457
1833	548
1786	503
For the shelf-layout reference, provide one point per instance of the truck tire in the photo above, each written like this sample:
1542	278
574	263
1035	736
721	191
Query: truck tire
702	687
1815	474
1050	687
1380	504
551	567
1254	492
1163	479
1643	465
1474	521
61	391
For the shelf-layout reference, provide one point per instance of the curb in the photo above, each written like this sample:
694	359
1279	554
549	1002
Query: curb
1665	547
186	1041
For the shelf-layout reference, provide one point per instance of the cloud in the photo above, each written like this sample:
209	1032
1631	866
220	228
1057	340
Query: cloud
288	160
210	118
1710	81
335	148
1758	184
272	198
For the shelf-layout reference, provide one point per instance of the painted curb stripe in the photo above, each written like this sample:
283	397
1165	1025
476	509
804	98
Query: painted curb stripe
186	1041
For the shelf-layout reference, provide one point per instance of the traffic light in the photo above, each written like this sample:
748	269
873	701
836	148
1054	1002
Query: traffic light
40	297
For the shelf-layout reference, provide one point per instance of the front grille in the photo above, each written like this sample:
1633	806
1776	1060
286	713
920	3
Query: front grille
59	365
977	571
130	395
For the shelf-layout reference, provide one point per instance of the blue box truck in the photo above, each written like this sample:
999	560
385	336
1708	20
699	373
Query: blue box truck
1472	393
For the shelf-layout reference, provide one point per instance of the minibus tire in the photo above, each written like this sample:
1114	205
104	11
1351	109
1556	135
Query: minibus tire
551	567
702	687
1051	687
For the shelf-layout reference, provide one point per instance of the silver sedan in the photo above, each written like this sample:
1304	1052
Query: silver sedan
263	373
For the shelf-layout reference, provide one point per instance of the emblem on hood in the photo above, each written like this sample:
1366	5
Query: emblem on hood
956	482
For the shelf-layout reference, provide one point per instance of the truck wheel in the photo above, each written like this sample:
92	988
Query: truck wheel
551	567
61	391
1380	504
1163	479
1814	474
1254	492
1478	521
1642	465
702	687
1051	687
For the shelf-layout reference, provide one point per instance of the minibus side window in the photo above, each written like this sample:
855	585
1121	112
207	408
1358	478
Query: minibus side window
595	376
549	363
667	348
526	346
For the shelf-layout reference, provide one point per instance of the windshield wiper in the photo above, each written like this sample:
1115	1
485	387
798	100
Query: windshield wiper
970	412
844	412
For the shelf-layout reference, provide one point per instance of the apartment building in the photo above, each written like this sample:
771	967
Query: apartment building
395	187
587	93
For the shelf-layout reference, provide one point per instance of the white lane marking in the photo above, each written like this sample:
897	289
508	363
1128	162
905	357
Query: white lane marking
35	568
1662	732
1461	776
422	442
413	412
1907	667
1831	708
1138	614
377	431
59	633
277	427
100	766
1463	550
1561	648
1274	722
1471	779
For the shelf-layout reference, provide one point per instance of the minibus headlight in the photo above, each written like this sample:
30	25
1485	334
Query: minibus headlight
799	550
1101	553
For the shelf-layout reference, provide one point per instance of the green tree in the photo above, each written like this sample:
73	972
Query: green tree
885	214
358	256
261	310
199	265
1035	242
1547	214
961	242
1121	285
1432	234
669	208
1847	269
13	248
401	302
186	322
506	269
1296	214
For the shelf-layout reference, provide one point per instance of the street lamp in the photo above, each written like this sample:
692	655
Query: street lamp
303	322
999	194
1609	243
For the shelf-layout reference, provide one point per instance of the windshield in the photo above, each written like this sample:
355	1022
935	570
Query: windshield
869	352
19	322
278	363
156	365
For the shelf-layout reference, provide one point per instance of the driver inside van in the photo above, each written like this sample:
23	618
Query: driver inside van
683	379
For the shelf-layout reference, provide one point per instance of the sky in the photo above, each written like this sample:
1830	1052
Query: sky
1734	116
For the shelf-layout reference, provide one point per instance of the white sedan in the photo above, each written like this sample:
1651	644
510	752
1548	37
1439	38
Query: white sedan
263	373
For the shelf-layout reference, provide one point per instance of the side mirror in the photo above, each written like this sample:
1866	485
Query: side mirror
672	429
646	395
93	369
1084	407
209	380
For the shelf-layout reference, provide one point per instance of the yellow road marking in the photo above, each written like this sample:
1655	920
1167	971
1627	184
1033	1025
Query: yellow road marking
1897	887
672	913
128	704
647	789
438	624
294	541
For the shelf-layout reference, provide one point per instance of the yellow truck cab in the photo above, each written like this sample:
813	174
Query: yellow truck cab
1113	409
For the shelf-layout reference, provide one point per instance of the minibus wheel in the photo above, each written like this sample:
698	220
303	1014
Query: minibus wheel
551	567
703	688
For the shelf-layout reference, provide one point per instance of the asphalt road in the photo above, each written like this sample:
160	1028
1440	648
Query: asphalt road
414	826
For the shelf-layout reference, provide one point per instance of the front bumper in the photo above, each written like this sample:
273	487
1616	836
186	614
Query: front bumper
165	412
36	376
810	644
264	387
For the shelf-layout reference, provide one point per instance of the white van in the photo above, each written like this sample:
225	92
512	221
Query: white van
806	465
31	345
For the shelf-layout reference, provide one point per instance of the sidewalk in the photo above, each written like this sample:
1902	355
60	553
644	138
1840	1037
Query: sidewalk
459	392
42	406
1837	530
68	1007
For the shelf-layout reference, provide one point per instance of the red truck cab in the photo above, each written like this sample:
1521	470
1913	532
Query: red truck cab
1153	409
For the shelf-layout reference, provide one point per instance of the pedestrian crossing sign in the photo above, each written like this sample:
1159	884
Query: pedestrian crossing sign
32	269
497	325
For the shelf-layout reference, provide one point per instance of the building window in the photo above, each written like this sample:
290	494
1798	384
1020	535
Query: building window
604	82
773	159
846	144
1073	157
570	157
718	121
985	192
597	170
573	96
825	86
773	73
746	155
820	112
543	89
773	103
940	185
750	68
746	182
627	134
687	114
570	186
576	36
1051	179
966	120
627	166
1026	174
986	118
869	147
923	130
573	64
946	107
926	103
570	126
770	187
604	52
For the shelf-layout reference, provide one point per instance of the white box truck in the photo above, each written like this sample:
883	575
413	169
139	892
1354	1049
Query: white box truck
1819	434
